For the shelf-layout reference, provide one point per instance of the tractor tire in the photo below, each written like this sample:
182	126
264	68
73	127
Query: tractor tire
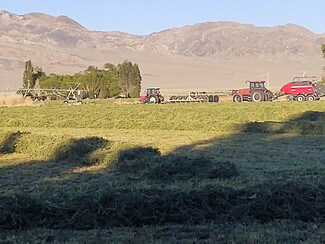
237	98
310	98
153	99
215	98
210	98
161	99
300	98
257	96
268	95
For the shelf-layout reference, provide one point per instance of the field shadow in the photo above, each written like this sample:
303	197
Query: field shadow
267	171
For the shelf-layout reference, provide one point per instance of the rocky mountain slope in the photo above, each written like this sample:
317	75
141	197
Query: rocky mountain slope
59	44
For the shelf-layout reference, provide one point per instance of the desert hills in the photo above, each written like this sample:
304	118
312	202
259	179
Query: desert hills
205	56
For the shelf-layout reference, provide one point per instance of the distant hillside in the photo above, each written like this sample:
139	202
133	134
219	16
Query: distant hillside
59	44
234	39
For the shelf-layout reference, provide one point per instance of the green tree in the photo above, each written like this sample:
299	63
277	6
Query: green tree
111	75
57	81
93	82
28	75
129	78
31	74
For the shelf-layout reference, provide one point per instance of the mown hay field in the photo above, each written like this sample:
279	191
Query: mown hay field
106	171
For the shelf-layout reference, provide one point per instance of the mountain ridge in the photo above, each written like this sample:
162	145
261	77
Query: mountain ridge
60	44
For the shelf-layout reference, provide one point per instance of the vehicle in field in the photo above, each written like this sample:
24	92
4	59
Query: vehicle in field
256	92
152	95
194	97
302	89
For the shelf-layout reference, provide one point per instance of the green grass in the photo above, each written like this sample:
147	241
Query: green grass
163	173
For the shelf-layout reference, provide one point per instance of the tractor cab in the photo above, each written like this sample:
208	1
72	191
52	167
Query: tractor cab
256	85
152	90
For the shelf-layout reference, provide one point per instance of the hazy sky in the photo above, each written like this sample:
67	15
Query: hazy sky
147	16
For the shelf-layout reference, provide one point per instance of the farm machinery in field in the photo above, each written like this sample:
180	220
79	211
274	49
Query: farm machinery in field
256	92
194	97
73	94
153	95
299	89
302	89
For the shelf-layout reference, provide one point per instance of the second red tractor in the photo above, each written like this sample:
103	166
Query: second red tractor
255	92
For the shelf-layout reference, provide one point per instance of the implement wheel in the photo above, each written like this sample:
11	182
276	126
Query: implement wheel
215	98
300	98
310	98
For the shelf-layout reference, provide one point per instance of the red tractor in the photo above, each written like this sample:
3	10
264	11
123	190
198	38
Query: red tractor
256	92
302	89
152	95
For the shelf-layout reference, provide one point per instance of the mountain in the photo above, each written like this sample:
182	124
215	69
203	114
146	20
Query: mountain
176	58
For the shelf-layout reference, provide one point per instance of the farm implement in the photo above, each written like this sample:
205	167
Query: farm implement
302	89
73	94
153	95
194	97
299	89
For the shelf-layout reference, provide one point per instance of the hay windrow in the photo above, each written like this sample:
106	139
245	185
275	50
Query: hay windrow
146	163
101	166
149	207
307	123
80	151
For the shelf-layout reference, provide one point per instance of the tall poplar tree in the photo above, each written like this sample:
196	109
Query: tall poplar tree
28	75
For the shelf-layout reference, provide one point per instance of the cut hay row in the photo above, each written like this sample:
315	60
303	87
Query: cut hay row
148	207
241	170
300	118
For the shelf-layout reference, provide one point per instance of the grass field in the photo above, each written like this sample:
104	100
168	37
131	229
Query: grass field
107	171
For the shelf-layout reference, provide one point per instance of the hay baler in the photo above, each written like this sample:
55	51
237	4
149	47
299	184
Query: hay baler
302	89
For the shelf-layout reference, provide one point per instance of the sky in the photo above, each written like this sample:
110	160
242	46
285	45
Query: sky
142	17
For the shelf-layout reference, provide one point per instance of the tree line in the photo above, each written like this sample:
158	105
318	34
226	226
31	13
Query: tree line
112	80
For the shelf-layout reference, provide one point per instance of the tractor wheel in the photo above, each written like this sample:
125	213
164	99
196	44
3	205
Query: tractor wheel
310	98
215	98
153	99
269	95
300	98
236	98
257	96
210	98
